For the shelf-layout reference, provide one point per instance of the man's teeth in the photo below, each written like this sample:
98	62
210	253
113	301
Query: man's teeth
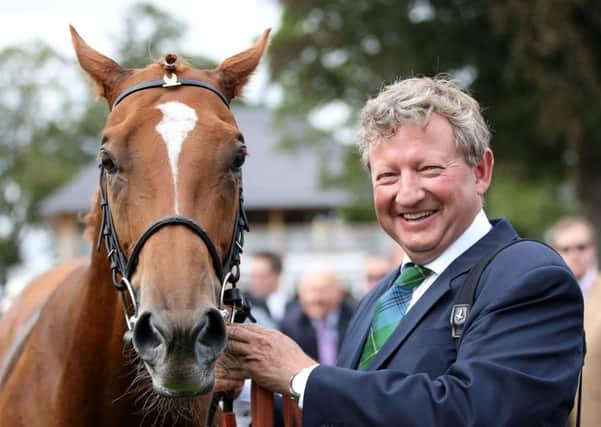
418	215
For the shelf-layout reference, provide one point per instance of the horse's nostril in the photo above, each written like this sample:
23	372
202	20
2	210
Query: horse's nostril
211	331
147	336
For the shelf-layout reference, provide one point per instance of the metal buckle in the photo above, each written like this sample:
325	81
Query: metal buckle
224	313
171	81
130	320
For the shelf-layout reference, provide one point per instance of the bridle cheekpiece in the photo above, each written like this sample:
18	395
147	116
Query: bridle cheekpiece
123	268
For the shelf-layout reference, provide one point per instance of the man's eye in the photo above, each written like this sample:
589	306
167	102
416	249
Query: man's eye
385	175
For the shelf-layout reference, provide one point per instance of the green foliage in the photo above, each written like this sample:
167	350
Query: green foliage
535	67
524	200
149	33
39	145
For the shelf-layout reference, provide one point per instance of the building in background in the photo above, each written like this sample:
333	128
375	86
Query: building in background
288	211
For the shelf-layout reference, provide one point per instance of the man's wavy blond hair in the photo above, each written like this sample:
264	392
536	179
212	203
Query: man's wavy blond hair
413	101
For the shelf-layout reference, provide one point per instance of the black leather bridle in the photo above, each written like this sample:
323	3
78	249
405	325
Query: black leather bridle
123	268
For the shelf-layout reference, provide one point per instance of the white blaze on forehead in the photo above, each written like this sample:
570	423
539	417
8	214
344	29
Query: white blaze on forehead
178	120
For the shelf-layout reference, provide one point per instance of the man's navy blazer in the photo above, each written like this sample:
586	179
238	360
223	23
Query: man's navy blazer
516	364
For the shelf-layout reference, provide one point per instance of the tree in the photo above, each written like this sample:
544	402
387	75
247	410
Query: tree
150	31
40	146
534	66
50	120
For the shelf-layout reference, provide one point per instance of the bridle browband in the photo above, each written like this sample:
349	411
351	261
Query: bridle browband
169	82
122	268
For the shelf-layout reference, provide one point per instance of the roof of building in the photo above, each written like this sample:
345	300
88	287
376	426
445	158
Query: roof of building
273	178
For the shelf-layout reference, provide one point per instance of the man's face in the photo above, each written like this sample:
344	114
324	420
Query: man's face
263	279
575	245
319	293
425	194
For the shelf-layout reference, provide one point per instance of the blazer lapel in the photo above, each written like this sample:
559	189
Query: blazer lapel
355	336
411	320
500	233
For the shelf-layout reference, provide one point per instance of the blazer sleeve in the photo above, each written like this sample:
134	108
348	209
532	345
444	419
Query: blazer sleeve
517	363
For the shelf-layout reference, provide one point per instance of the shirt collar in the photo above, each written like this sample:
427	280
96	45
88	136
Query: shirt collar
479	227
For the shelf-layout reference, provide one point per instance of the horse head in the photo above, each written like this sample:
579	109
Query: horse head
168	207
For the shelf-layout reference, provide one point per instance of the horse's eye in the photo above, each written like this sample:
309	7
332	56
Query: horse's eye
239	158
107	163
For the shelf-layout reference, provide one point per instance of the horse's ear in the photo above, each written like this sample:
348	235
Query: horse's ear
235	71
104	72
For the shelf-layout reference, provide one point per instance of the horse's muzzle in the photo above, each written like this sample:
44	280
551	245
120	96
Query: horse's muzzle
180	353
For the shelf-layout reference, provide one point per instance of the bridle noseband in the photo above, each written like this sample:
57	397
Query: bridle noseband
122	268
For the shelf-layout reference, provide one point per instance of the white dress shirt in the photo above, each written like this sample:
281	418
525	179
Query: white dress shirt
478	229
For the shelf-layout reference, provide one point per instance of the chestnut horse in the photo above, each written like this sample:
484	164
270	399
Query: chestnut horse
169	219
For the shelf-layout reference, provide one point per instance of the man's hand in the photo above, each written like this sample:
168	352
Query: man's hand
268	357
228	375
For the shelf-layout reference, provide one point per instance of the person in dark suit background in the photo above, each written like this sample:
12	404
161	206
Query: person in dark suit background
426	147
267	303
267	300
318	319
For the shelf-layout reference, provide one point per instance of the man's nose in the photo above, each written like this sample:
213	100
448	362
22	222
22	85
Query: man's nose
409	190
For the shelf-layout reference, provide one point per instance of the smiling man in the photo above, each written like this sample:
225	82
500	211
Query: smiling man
426	147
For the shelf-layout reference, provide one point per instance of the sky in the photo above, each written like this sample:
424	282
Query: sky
217	29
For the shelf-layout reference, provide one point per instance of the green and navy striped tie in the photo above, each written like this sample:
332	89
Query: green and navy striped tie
390	309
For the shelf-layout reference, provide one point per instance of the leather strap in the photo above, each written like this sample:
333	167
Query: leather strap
228	419
175	220
149	84
293	417
261	406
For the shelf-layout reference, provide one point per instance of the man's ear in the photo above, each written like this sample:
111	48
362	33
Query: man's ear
483	172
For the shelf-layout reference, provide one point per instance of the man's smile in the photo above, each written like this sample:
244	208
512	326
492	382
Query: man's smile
417	216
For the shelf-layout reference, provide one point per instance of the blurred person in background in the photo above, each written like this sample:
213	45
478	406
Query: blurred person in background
268	303
317	321
375	268
267	300
396	257
574	238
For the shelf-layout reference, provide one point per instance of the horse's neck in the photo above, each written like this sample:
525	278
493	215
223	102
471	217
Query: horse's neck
98	319
95	368
68	368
